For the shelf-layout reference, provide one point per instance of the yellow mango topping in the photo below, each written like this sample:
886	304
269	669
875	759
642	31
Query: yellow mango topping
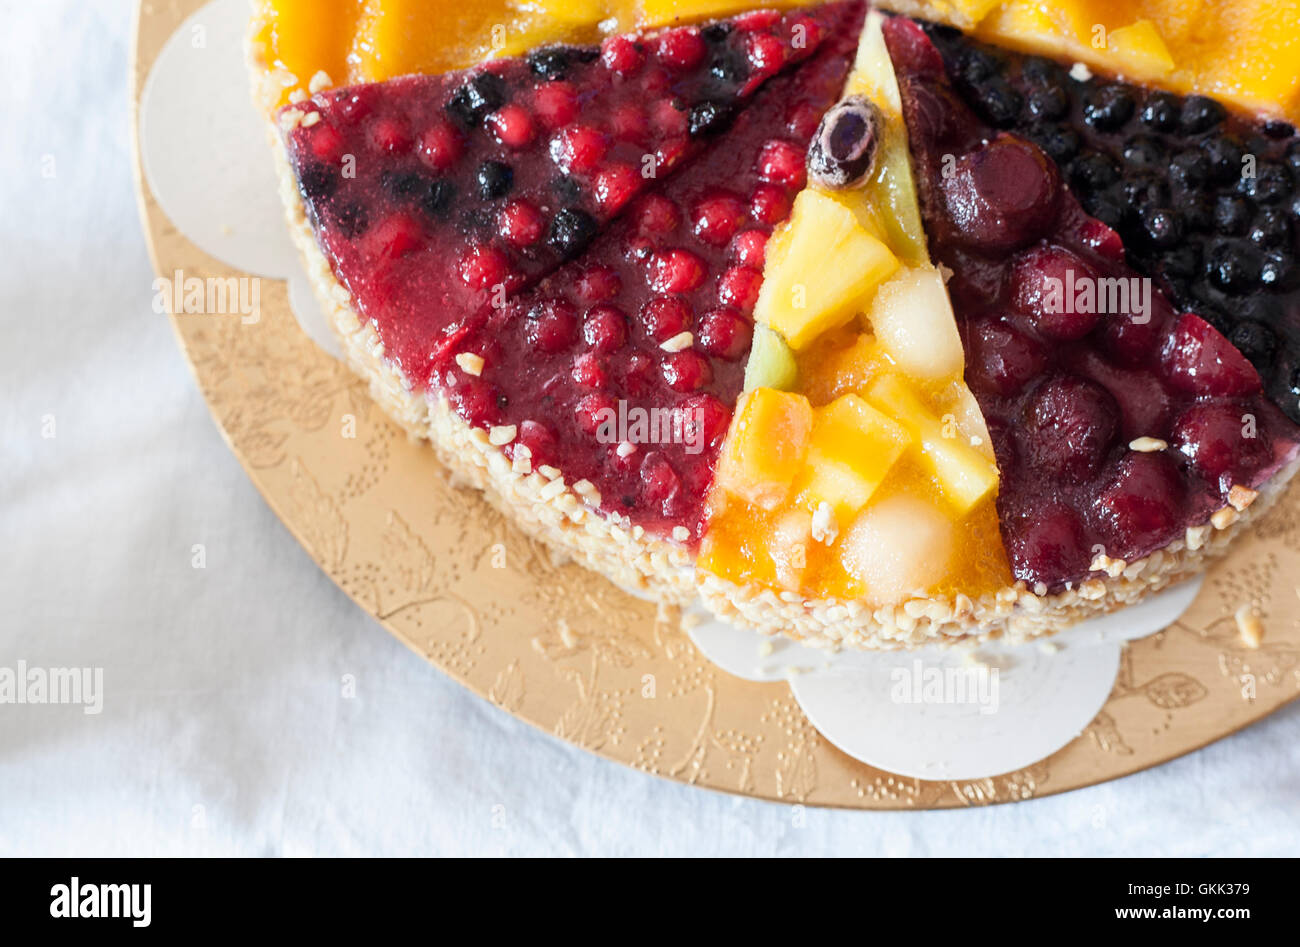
853	448
766	446
1140	50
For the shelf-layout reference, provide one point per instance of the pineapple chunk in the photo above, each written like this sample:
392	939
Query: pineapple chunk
852	450
912	317
820	270
771	363
1140	50
965	475
766	447
899	547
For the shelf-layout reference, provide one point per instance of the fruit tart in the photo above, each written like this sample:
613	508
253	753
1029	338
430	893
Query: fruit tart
860	328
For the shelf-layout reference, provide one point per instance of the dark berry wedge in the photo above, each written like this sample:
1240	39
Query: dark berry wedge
1206	199
529	211
1117	423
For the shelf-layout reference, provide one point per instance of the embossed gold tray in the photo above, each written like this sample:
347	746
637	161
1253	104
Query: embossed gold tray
566	651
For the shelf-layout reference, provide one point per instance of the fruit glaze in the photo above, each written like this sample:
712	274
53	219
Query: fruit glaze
539	239
1114	432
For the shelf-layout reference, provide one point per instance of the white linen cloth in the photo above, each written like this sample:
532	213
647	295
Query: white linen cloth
223	730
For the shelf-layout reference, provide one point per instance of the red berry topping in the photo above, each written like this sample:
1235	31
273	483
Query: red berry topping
390	135
326	143
551	325
589	371
1141	505
621	55
717	217
656	215
521	223
540	441
595	411
475	400
1198	360
395	237
686	371
605	329
596	284
765	52
675	271
783	163
578	148
739	287
668	118
1051	542
511	126
1003	360
629	123
440	146
724	333
802	119
615	186
770	204
659	481
555	104
1069	427
750	248
681	49
757	20
665	316
484	267
710	414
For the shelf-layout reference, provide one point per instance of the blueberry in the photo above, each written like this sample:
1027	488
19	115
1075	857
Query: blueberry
1107	108
436	198
1254	340
730	65
1143	151
401	186
1181	263
351	220
1144	191
1293	156
710	118
1277	129
1060	143
495	179
1196	210
1189	170
484	93
570	232
1093	172
716	32
1231	215
1040	69
1160	112
317	182
1279	271
569	190
1108	206
998	102
1200	114
1234	267
1049	102
1162	228
550	62
1224	155
1271	228
1271	184
977	65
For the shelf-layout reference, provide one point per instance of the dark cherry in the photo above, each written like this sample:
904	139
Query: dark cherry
1069	425
1002	195
1051	543
1198	360
1220	440
1141	505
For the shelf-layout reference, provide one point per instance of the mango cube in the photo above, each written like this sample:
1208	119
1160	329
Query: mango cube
1140	50
766	447
820	270
965	475
852	450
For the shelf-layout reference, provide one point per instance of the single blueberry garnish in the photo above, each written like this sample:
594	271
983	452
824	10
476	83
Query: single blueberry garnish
1189	170
495	178
844	149
1271	228
570	231
710	118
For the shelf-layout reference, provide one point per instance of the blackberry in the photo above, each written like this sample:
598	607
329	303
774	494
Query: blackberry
1161	228
1107	108
495	179
1050	102
1234	267
1271	184
570	232
1142	192
1160	112
1060	143
710	118
1254	340
1200	114
1231	215
1224	154
1271	229
1092	172
998	102
484	93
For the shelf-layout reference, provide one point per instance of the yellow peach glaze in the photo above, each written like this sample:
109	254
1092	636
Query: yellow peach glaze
1241	51
857	465
353	41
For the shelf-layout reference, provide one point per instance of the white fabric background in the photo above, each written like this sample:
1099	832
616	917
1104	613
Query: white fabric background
222	685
